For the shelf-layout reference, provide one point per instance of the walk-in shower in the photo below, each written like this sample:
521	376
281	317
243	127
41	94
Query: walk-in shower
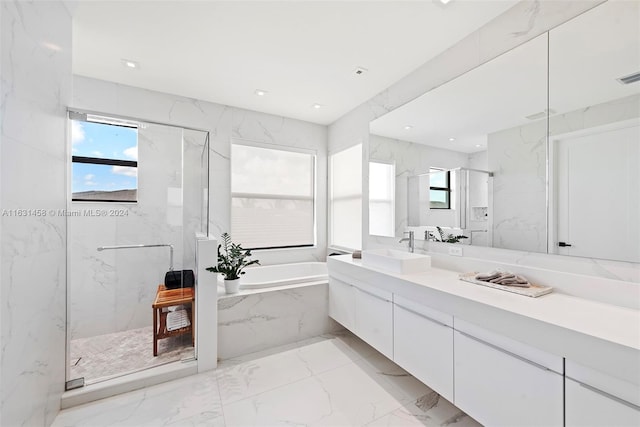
464	210
138	194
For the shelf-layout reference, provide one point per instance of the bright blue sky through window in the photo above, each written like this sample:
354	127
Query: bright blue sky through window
107	142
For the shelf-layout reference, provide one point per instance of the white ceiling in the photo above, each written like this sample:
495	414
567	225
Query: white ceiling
586	56
300	52
504	91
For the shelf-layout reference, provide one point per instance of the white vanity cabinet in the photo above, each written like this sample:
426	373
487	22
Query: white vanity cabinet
368	313
500	382
596	399
342	303
423	344
374	319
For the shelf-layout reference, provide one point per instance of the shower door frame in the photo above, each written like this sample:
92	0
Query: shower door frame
69	383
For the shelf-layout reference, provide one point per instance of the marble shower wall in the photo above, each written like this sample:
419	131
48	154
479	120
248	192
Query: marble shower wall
262	320
224	123
35	90
111	291
524	21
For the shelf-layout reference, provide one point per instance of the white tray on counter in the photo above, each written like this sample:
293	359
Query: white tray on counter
532	291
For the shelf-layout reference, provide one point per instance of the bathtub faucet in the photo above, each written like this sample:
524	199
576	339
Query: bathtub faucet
409	239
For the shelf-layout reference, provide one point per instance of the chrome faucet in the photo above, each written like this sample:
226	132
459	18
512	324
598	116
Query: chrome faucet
409	239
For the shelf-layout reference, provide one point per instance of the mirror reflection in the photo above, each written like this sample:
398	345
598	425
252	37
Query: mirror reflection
491	157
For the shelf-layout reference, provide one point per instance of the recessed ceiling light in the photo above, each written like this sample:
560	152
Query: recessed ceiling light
478	145
260	92
408	127
444	1
130	64
360	71
317	106
452	139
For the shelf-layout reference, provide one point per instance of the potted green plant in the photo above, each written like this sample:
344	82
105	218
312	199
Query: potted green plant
449	238
232	259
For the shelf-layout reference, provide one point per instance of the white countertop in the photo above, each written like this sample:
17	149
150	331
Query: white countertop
564	314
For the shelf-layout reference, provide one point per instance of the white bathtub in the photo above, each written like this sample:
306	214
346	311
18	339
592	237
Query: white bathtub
283	274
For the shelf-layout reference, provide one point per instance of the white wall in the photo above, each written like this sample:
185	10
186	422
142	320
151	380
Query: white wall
224	123
523	22
36	87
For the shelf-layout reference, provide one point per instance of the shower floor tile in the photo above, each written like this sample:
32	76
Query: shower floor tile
104	356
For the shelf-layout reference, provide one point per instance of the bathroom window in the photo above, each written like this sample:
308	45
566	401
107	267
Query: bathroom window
272	196
345	199
439	189
382	177
104	159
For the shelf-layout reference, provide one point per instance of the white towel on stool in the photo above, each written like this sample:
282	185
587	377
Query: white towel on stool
177	319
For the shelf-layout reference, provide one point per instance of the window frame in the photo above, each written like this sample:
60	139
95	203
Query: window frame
110	121
446	190
314	193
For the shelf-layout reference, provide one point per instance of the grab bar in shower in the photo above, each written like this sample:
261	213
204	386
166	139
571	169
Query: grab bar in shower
158	245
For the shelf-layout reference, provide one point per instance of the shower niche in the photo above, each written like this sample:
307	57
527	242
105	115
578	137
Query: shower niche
138	196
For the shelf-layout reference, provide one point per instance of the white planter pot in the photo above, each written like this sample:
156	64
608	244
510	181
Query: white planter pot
232	286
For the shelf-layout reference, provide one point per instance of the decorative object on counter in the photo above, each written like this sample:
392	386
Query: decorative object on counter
449	238
232	259
532	290
503	278
356	255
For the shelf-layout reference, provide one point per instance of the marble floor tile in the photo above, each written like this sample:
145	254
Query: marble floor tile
331	380
194	400
247	376
431	410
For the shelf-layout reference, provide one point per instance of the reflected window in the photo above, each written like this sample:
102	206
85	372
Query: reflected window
345	199
382	199
104	161
439	189
272	197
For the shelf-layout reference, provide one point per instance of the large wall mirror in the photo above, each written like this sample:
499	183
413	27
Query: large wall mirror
537	150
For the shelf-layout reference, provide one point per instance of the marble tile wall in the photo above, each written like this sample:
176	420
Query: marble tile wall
518	158
224	123
35	90
524	21
258	321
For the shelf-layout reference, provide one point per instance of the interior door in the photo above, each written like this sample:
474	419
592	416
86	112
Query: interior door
598	194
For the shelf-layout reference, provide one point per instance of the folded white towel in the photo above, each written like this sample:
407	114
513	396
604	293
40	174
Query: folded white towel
177	319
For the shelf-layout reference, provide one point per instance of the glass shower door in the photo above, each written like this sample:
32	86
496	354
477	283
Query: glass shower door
121	251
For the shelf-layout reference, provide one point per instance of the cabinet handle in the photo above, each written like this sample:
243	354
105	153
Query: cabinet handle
372	294
607	395
424	317
495	347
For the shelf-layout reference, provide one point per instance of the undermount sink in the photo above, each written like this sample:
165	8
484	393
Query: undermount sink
396	261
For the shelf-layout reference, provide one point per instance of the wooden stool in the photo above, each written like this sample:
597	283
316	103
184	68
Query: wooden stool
167	298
